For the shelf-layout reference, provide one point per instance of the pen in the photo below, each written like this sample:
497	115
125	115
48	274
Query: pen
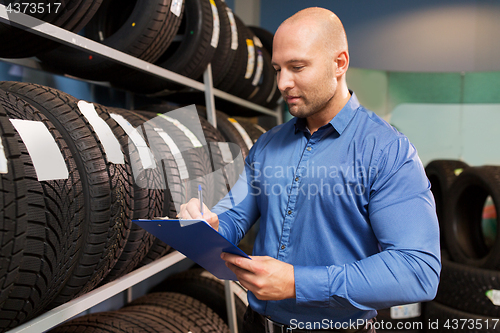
200	198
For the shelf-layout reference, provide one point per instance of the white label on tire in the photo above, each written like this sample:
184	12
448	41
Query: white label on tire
405	311
181	165
176	7
260	128
194	140
225	151
45	154
145	153
4	167
494	296
251	59
275	86
110	143
216	30
257	42
234	29
242	132
260	66
209	275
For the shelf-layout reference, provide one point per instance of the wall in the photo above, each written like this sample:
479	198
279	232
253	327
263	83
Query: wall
431	68
424	35
445	115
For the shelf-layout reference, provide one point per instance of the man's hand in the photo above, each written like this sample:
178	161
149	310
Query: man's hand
191	211
267	278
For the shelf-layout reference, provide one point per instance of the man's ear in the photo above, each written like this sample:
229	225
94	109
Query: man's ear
342	61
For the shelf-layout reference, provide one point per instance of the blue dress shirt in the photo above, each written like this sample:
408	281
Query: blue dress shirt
349	207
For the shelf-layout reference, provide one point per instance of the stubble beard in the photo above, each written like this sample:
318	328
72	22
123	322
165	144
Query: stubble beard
308	109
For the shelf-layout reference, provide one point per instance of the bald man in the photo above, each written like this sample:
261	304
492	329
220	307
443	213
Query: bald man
348	222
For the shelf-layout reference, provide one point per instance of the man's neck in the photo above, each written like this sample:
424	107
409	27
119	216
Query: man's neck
323	117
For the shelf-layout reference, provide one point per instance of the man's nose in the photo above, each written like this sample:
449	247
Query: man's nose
285	80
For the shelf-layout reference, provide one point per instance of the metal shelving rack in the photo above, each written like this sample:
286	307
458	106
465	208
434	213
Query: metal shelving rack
74	307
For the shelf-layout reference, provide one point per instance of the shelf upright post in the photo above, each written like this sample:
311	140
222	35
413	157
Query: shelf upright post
129	101
231	307
209	96
212	119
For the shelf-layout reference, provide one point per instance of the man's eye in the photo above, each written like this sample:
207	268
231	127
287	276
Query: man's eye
298	68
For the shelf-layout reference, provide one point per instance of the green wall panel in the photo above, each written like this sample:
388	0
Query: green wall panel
482	87
370	87
424	88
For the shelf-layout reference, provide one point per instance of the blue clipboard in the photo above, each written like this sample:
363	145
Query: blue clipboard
197	240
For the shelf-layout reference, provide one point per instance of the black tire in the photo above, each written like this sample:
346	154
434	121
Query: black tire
224	54
167	165
141	28
139	243
201	316
212	137
465	288
463	232
239	147
194	160
238	67
54	225
153	179
107	205
157	250
243	85
395	325
153	199
13	209
72	15
264	79
208	289
113	321
188	57
148	202
171	320
253	130
215	142
451	320
229	128
266	37
441	174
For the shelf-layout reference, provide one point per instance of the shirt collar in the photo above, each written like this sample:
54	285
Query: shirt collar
339	121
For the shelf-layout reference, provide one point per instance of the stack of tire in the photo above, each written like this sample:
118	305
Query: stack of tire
209	290
183	36
193	300
72	15
467	201
152	313
73	176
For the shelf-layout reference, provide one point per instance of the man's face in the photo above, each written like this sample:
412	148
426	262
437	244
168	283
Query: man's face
305	69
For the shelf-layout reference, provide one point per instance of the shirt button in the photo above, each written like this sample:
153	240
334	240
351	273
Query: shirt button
309	148
296	179
283	247
289	212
